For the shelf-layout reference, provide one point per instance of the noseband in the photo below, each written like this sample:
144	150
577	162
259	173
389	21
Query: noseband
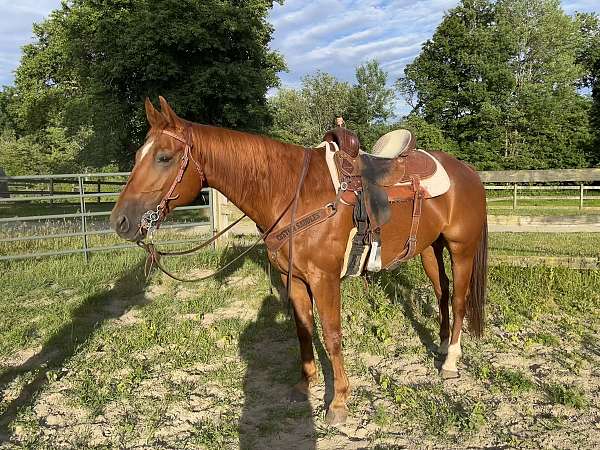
151	219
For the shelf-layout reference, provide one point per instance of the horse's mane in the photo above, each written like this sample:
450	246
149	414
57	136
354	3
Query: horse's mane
261	158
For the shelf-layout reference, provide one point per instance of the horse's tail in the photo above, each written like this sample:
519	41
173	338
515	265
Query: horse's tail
477	291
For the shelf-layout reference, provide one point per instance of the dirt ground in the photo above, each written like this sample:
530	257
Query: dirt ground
171	366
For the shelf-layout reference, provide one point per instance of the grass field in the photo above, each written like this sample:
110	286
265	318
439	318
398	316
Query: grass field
93	356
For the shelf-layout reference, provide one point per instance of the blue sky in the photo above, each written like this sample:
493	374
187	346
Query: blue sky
331	35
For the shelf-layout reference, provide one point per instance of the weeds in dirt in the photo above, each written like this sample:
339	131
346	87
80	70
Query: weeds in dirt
436	410
566	395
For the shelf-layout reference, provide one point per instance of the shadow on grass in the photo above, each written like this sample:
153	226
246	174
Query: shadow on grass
401	289
270	348
67	341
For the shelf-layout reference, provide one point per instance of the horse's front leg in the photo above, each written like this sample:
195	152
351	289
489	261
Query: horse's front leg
303	315
326	292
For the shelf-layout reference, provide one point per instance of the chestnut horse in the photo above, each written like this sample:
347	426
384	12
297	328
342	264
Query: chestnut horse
260	176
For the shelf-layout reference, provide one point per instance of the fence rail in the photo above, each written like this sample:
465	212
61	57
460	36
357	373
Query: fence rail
72	190
517	181
78	221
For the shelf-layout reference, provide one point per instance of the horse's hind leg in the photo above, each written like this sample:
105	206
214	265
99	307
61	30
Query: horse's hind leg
433	262
303	315
462	266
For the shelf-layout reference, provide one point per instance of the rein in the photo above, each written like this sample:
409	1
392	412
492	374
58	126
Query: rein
151	219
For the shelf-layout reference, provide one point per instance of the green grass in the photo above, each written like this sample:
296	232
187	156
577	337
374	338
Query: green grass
541	207
545	244
123	362
566	395
434	409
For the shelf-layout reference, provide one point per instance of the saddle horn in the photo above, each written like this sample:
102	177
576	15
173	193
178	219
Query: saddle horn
345	139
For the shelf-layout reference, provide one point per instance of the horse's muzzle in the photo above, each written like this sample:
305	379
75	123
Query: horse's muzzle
125	226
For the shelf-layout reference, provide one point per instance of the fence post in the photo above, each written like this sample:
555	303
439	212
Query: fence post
83	218
515	196
222	218
99	190
581	188
219	218
51	191
211	204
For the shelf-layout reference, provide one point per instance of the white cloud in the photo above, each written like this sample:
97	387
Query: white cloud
330	35
337	35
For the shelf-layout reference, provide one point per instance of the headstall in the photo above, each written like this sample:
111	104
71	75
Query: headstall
151	219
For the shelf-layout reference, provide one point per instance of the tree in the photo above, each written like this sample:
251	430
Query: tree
94	62
428	136
500	79
590	58
371	103
303	116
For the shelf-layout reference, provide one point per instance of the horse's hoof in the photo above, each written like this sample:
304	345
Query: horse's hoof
449	374
336	416
298	395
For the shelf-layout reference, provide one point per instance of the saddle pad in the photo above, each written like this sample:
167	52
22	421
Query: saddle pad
436	185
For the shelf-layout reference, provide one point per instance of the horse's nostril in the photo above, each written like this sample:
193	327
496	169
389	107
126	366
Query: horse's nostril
123	224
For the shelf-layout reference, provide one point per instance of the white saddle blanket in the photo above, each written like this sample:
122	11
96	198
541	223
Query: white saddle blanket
436	185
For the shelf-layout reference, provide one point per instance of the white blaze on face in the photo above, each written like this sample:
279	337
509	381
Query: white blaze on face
146	148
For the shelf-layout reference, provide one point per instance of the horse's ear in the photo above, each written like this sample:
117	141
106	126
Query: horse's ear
154	117
167	111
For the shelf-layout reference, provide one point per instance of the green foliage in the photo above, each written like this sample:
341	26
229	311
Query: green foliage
370	104
93	63
303	116
590	58
566	395
500	79
428	136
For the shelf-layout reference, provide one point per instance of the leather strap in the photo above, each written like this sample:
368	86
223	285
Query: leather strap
411	244
151	219
280	236
154	255
305	165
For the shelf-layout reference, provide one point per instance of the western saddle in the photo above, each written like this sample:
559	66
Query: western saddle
370	182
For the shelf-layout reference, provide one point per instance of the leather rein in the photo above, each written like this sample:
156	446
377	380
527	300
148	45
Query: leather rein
151	219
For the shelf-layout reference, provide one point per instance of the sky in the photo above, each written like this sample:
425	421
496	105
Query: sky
334	36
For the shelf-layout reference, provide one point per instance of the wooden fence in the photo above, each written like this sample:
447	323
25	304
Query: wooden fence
580	181
520	183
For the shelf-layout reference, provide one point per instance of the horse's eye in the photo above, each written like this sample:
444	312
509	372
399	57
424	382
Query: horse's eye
164	158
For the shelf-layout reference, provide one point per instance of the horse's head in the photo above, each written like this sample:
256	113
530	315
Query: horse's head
166	174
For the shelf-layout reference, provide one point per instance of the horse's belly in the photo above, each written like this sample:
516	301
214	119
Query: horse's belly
396	232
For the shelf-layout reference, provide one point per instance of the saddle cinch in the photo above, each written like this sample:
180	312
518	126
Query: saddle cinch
395	172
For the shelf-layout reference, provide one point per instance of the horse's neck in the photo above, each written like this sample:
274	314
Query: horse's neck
256	174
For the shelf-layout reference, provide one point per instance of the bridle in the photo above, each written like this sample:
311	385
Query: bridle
151	219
